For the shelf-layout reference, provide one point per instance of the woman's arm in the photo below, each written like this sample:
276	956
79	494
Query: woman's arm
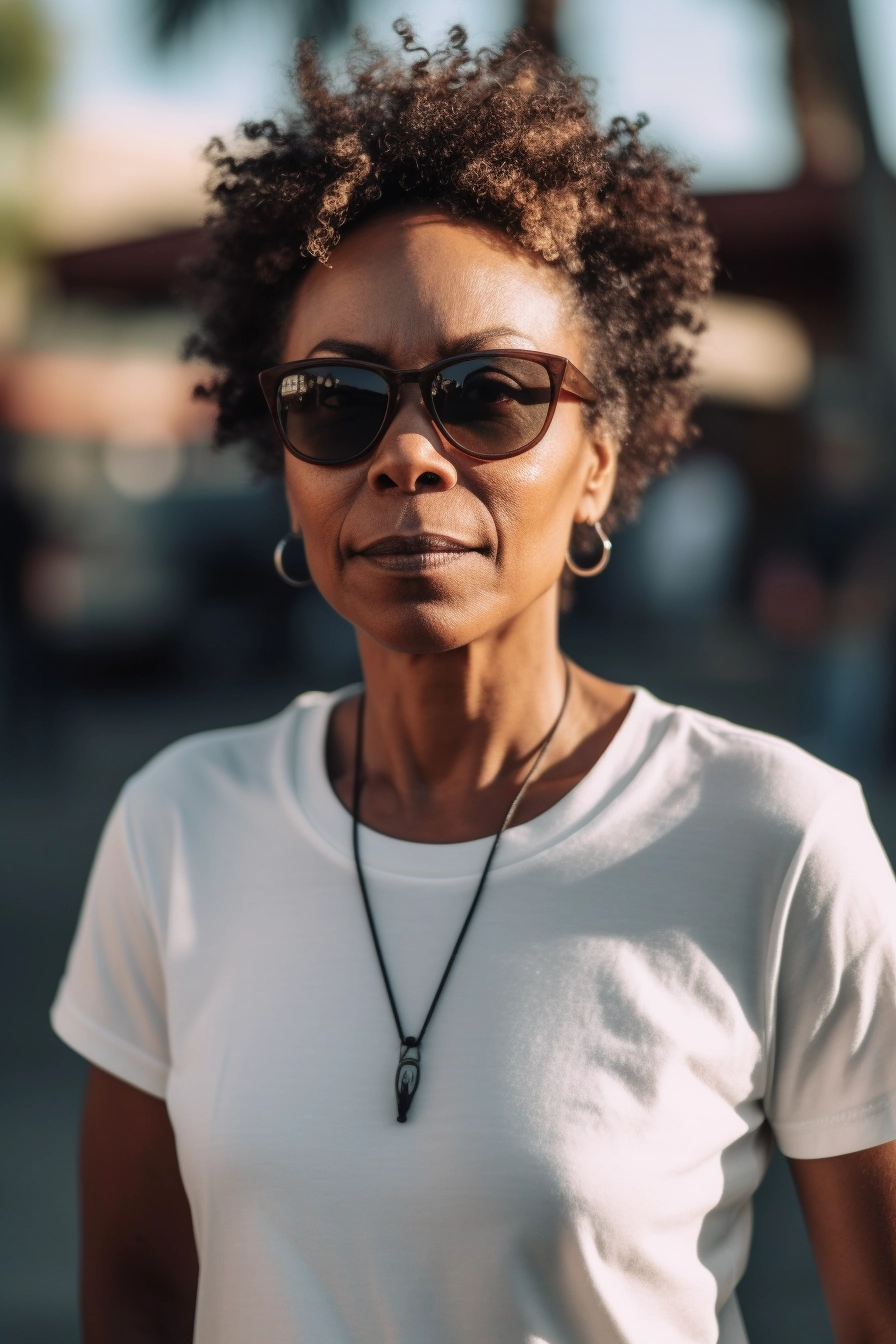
139	1267
849	1204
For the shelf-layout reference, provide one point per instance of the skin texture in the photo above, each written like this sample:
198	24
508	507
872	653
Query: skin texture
450	725
138	1257
463	679
849	1204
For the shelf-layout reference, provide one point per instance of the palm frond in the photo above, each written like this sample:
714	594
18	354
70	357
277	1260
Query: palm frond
173	19
324	18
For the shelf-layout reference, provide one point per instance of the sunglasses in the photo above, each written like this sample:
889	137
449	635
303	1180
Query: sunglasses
491	404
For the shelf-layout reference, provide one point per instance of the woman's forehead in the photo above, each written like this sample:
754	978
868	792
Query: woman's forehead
419	281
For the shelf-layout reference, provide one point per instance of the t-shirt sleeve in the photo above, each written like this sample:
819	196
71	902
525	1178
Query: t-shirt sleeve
111	1003
832	997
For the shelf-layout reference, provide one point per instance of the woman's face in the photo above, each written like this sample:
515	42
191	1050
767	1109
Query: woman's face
405	290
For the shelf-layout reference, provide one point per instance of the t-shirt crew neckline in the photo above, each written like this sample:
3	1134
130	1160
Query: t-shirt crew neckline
634	741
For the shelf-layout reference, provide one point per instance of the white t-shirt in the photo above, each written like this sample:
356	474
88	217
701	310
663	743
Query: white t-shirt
695	948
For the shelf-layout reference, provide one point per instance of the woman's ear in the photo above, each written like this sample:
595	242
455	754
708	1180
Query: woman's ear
600	475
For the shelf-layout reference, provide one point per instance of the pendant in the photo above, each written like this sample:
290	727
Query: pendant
407	1076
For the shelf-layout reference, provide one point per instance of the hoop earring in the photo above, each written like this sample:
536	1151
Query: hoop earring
589	567
290	562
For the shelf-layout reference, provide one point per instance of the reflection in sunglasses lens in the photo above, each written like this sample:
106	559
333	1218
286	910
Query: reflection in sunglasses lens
332	413
492	406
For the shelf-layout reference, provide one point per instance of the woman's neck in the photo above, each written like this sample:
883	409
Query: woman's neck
448	737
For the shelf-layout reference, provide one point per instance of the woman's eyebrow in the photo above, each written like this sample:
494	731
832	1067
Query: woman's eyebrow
474	340
481	340
347	350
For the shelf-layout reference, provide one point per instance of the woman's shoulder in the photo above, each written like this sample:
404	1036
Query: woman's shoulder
245	758
737	767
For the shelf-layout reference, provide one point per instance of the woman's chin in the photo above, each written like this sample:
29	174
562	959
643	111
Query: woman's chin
422	628
426	618
419	637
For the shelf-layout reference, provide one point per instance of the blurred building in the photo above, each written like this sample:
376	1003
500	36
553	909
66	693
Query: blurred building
144	546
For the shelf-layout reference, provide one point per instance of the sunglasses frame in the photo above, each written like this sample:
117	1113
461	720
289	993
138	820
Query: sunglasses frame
563	374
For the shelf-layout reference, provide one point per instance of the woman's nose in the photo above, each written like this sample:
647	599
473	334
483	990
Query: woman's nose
410	457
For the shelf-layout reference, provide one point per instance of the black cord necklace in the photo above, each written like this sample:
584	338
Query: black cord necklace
407	1076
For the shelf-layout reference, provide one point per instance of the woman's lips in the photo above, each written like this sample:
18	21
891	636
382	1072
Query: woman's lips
413	554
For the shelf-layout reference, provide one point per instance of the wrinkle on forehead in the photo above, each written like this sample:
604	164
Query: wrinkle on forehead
414	283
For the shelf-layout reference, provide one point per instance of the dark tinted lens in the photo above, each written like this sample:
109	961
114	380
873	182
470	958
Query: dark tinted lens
493	406
332	412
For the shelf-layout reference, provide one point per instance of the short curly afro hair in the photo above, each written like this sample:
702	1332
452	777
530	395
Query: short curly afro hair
507	136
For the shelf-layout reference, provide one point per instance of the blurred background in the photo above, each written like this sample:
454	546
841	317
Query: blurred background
137	597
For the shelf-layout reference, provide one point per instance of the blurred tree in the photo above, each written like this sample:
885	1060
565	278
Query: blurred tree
26	60
829	128
172	19
540	18
855	687
835	114
26	71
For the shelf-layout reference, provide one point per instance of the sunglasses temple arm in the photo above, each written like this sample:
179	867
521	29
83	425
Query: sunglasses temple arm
575	381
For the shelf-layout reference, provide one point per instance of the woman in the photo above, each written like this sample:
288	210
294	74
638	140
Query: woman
590	949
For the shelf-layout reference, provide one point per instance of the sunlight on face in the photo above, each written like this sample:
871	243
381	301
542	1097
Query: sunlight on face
405	290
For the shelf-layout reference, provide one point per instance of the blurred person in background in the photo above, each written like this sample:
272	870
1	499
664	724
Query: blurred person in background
849	534
689	541
591	950
27	721
828	585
